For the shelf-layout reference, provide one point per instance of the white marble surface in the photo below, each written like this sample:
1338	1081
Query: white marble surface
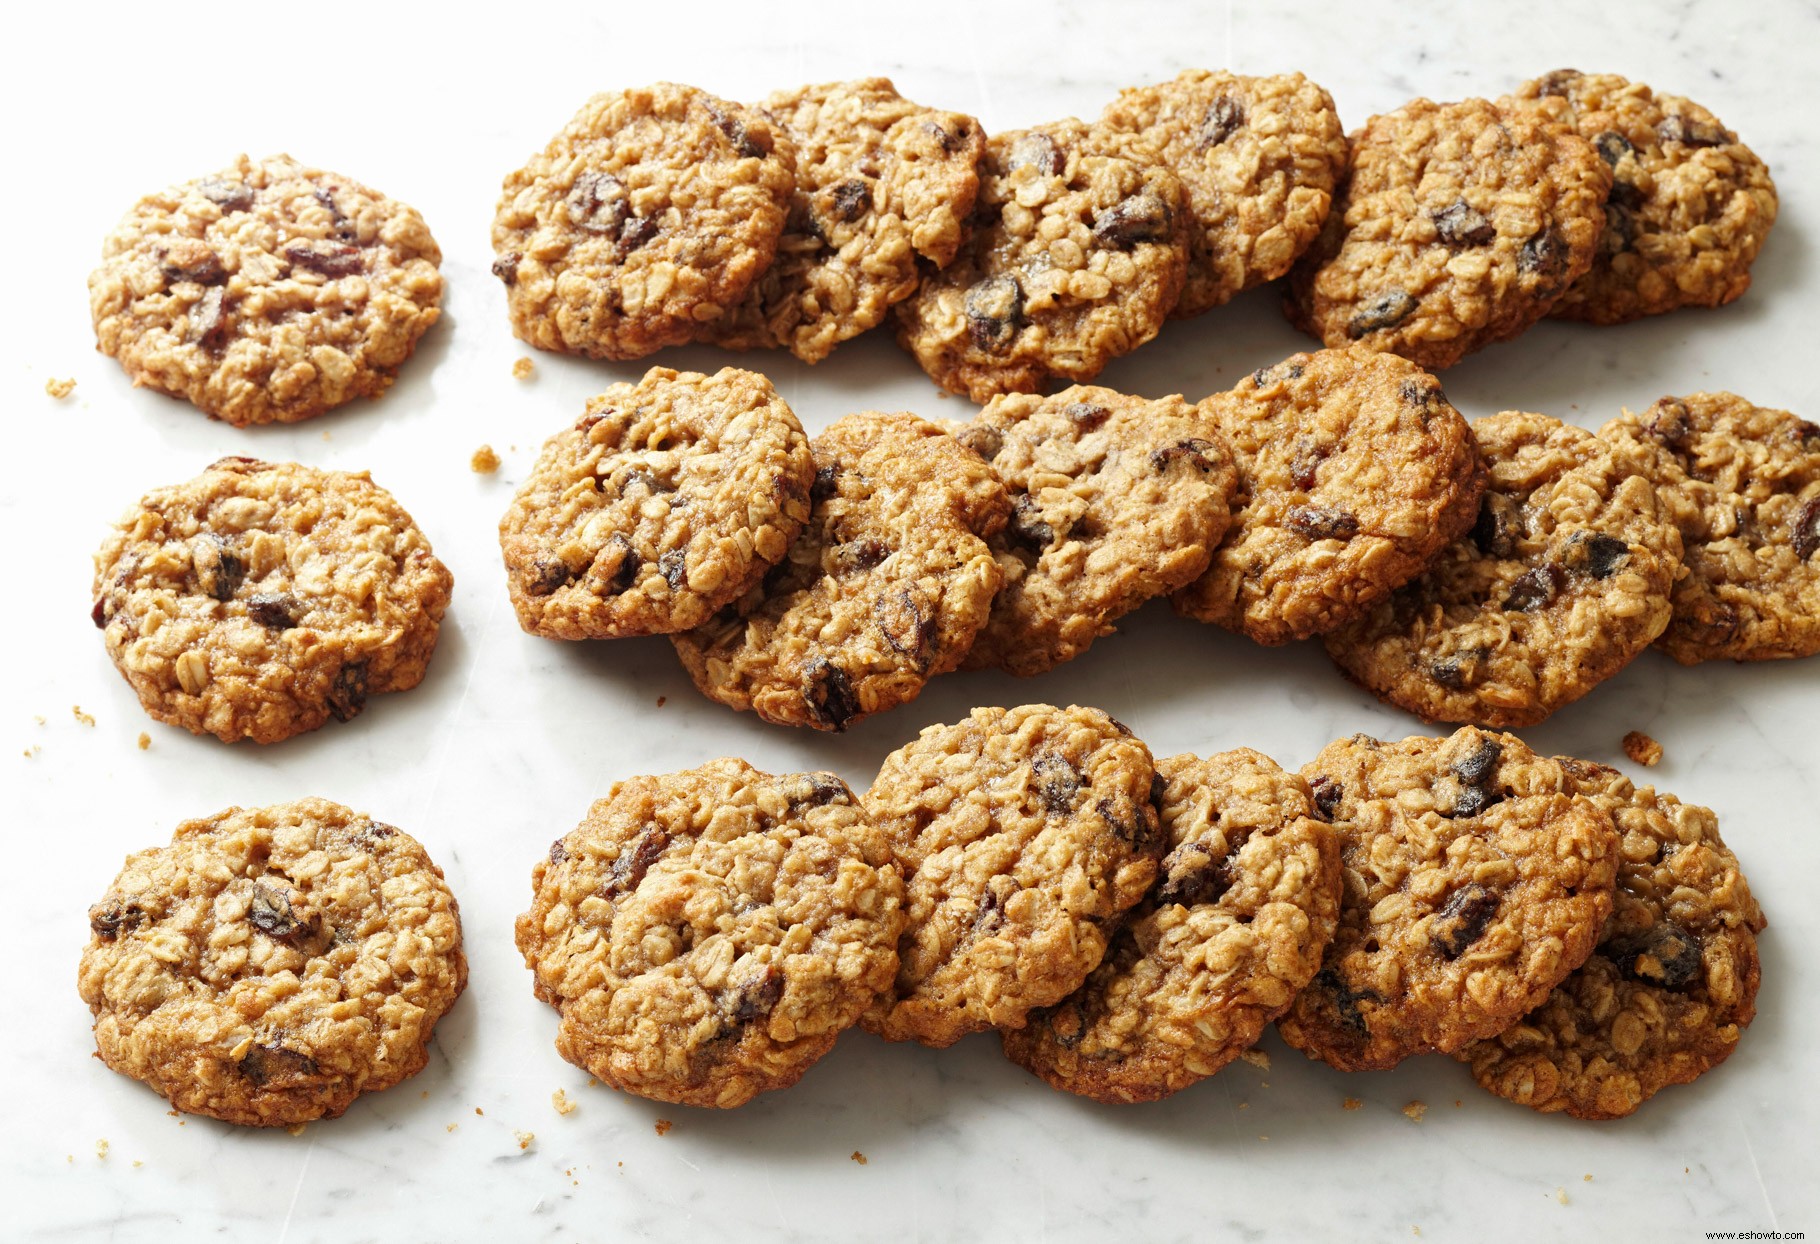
509	738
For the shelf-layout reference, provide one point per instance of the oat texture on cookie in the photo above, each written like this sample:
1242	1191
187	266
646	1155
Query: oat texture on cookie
268	292
272	964
260	599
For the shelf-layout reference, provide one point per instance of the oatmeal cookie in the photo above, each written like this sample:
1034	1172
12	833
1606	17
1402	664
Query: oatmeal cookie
1461	225
666	500
1742	485
1563	579
1671	986
1024	834
1077	257
885	588
1259	157
1473	883
1114	499
879	181
1689	209
266	293
652	212
1353	470
1230	932
272	964
705	936
260	599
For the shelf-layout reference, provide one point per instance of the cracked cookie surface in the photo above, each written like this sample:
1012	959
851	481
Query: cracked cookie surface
667	499
1232	929
268	292
1024	834
885	588
650	213
260	599
1259	157
1353	470
1460	225
706	935
1562	581
272	964
1475	880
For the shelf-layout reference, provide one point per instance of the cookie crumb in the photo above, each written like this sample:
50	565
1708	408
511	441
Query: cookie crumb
663	1127
484	461
1642	749
31	751
453	1127
1351	1103
60	389
295	1129
524	1139
81	716
1561	1195
145	741
137	1162
1415	1110
101	1147
38	718
480	1112
560	1100
1587	1178
523	369
1258	1059
859	1157
661	699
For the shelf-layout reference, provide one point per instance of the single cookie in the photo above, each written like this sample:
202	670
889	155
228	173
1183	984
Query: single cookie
1232	930
1473	885
1114	500
1353	471
879	181
1460	225
666	500
649	214
1742	485
1690	205
266	293
260	599
707	935
1564	578
1077	257
1024	834
1259	157
1671	986
885	588
272	964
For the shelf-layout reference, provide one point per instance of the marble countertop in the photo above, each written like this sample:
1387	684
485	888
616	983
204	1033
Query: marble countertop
508	740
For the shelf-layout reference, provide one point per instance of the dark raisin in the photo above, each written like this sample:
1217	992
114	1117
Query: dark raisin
1667	955
1478	766
1670	422
1805	530
219	570
1306	467
1462	920
635	860
849	200
1536	589
98	615
1461	225
674	567
330	259
545	575
1193	451
1223	118
558	852
1027	528
638	479
1387	310
829	693
198	264
1423	393
110	921
1327	795
506	266
618	553
229	196
1449	672
1159	787
950	140
1620	230
1136	825
209	322
1499	523
1320	522
857	556
271	914
758	995
826	483
1086	415
989	914
735	129
1558	82
1140	218
1806	435
1691	133
1192	875
816	790
1474	800
265	1064
1543	255
1612	146
1346	1001
1058	782
635	233
1595	554
983	439
1038	151
276	611
598	203
375	832
348	694
995	311
906	626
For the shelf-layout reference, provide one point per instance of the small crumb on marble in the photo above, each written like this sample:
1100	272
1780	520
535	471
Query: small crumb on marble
38	718
480	1112
1258	1059
72	1158
859	1157
1642	749
1561	1195
484	461
145	741
137	1162
453	1127
1351	1103
295	1129
32	751
1415	1230
1244	1105
525	1139
81	716
523	369
325	434
661	700
560	1100
101	1147
60	389
1587	1178
663	1127
942	394
1415	1110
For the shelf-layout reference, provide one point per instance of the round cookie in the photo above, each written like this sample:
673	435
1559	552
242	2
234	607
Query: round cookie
1689	209
272	964
650	213
1259	157
1023	834
260	599
1077	256
666	500
1353	471
1231	931
268	292
1742	485
1472	885
1671	986
1461	225
879	181
885	588
705	936
1114	500
1562	581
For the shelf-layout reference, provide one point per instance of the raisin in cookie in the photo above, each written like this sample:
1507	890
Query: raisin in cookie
272	964
705	936
1473	885
1114	500
652	212
667	499
1460	225
885	588
267	292
1742	485
1353	470
1689	209
260	599
1671	986
879	181
1077	257
1232	930
1564	578
1259	157
1024	834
